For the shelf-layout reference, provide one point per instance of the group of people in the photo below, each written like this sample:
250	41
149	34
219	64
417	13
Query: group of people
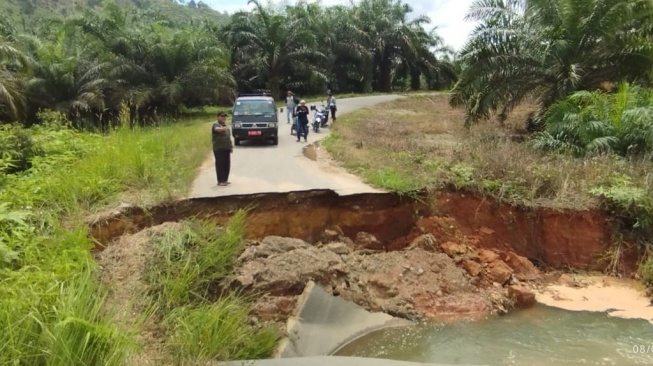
221	136
301	112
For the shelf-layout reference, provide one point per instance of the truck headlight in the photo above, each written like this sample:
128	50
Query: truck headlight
272	124
236	125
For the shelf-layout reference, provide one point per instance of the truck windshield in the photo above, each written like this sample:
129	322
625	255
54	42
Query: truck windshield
254	108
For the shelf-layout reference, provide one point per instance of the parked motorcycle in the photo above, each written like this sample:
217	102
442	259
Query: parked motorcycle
320	118
293	128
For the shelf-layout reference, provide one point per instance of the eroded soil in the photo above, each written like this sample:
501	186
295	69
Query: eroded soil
413	284
458	255
122	270
430	278
619	297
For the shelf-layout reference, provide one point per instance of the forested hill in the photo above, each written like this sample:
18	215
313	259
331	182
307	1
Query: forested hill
30	11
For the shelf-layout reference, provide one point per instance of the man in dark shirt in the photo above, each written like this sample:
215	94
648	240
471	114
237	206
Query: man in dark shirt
302	120
222	148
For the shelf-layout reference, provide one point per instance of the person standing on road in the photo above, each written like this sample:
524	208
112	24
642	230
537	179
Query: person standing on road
222	148
290	105
331	102
302	120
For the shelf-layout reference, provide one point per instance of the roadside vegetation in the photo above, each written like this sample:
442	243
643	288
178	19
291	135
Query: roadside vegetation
55	305
566	125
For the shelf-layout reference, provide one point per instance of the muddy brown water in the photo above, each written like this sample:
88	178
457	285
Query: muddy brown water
539	336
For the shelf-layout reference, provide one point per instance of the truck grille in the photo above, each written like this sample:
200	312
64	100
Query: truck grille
258	125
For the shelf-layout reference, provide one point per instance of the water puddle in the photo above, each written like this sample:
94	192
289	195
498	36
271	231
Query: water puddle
540	336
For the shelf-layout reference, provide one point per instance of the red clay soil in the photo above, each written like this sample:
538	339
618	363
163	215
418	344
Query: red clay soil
303	215
559	239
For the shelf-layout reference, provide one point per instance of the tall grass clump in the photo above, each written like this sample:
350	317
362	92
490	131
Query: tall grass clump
202	321
76	172
217	331
81	332
53	314
190	259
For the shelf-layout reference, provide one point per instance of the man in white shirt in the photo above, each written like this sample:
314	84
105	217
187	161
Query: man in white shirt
290	105
331	103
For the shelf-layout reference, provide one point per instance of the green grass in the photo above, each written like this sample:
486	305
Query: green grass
82	333
188	260
420	142
143	165
54	311
217	331
201	322
58	318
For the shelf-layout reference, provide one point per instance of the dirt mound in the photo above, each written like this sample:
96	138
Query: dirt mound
122	270
434	275
412	284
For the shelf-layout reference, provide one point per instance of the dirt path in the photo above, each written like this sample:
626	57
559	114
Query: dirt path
262	168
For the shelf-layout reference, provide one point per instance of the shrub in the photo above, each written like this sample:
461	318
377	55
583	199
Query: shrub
591	123
17	148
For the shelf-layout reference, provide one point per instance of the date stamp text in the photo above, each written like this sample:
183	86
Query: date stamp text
643	348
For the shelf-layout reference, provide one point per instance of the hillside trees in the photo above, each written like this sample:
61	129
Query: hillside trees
363	47
93	65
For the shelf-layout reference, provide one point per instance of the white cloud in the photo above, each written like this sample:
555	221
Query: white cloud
447	15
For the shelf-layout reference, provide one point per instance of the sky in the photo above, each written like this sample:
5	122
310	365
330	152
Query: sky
447	15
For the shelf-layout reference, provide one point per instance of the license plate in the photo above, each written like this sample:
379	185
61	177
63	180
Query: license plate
253	133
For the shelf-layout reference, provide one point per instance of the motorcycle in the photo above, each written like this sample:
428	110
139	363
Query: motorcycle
320	118
293	128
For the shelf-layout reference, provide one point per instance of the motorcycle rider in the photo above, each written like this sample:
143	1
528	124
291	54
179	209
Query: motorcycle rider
302	120
331	103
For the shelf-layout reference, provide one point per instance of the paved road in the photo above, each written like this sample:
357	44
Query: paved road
263	168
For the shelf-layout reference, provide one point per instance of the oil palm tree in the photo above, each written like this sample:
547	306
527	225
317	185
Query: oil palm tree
156	68
422	61
187	67
69	76
268	47
589	123
12	63
392	36
549	49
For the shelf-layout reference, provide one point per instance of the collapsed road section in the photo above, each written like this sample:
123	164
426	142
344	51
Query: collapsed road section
427	255
559	239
